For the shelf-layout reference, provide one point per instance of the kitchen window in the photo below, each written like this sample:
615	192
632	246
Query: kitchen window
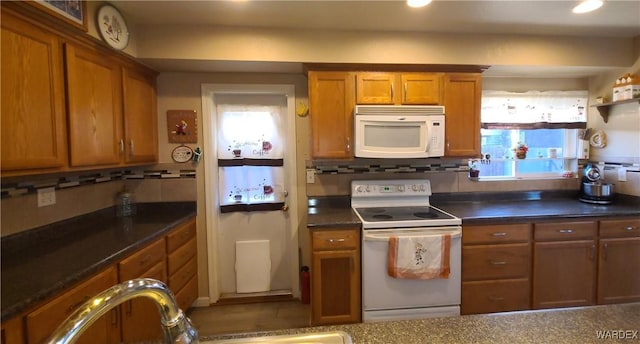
547	124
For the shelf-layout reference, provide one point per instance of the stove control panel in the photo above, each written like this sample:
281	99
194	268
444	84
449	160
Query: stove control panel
387	188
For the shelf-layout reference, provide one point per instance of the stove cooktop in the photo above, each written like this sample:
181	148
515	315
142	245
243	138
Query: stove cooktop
410	216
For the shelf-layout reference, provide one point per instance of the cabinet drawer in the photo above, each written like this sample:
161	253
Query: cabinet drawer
565	230
495	296
181	235
188	294
486	262
335	239
496	234
42	322
141	261
620	228
178	258
183	275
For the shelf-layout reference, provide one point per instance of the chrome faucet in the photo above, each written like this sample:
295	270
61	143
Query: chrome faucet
176	326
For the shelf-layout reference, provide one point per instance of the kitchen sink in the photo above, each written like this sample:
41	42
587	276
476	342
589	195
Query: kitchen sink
333	337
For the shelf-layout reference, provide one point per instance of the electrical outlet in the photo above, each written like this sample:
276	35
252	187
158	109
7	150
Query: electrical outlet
311	176
46	196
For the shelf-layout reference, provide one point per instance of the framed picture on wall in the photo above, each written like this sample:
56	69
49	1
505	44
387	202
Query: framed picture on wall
182	126
73	12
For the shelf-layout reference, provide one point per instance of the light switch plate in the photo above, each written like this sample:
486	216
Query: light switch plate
311	176
46	196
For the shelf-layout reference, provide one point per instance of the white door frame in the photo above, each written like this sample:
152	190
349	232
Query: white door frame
211	175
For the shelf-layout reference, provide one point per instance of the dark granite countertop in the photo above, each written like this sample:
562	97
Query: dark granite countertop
568	325
39	263
478	208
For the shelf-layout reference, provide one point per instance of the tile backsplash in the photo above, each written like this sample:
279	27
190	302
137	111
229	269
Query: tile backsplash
84	193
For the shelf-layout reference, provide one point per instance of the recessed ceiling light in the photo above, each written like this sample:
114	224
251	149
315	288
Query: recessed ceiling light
587	6
418	3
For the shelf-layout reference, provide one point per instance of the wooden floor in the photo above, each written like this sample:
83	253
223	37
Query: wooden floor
250	317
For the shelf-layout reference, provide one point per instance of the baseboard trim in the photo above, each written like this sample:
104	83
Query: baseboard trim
201	302
272	296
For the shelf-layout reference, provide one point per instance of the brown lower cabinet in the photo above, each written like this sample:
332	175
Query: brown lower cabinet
564	264
619	261
495	268
335	276
137	320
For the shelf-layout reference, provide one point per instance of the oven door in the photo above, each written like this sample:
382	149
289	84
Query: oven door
388	298
381	136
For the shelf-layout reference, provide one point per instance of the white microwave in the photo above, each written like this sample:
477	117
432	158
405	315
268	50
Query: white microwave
399	131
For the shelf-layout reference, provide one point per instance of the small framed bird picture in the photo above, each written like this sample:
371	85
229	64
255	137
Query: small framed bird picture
182	126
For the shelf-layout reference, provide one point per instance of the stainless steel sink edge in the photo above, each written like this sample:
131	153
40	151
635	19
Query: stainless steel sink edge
331	337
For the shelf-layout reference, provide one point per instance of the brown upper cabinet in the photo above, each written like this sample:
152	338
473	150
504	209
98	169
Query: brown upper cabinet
331	103
110	119
398	88
462	101
33	114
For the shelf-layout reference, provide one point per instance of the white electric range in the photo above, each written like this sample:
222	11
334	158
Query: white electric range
402	208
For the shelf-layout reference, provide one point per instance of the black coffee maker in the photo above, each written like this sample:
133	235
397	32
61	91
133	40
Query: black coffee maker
592	189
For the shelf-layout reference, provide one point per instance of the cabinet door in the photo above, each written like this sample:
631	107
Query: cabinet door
94	92
141	138
376	88
421	88
462	99
564	274
12	331
335	287
618	270
140	316
42	322
33	122
331	103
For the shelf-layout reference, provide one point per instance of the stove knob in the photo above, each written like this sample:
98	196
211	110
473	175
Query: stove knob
367	189
358	188
400	188
414	187
422	188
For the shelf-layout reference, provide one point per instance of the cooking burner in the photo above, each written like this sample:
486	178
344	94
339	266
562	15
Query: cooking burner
382	216
375	210
426	215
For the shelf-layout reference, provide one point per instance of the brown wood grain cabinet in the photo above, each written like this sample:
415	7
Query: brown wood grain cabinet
390	88
564	264
335	276
331	103
43	321
462	100
182	263
94	97
33	108
12	331
110	116
619	261
496	262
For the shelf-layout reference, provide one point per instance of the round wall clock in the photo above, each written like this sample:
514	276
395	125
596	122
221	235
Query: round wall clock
112	27
182	154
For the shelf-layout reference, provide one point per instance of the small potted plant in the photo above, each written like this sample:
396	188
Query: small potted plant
521	150
474	172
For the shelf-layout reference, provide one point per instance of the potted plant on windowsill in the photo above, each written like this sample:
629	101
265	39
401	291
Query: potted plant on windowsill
474	172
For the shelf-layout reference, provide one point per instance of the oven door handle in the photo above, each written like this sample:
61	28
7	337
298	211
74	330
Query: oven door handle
385	236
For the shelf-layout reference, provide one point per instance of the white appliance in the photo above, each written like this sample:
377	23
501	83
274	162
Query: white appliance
397	208
399	131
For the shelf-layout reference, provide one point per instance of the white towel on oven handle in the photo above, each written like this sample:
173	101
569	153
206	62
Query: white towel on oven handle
419	257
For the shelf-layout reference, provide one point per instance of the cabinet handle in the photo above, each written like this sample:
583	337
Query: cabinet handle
630	228
335	240
131	147
566	231
497	262
114	317
593	252
121	146
496	298
499	234
448	146
405	92
392	92
77	304
348	144
604	251
129	308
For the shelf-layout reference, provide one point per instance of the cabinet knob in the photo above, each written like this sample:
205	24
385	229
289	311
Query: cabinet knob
335	240
566	231
499	234
630	228
348	144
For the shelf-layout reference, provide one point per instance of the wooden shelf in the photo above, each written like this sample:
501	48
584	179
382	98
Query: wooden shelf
604	108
